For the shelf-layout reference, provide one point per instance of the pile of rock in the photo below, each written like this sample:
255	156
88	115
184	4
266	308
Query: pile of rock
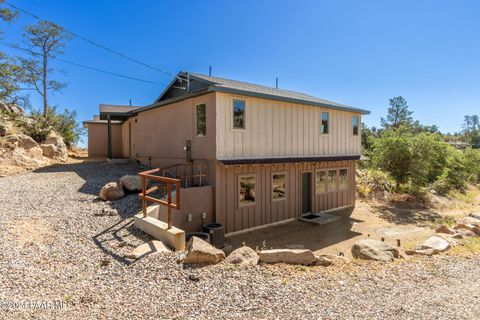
116	190
467	227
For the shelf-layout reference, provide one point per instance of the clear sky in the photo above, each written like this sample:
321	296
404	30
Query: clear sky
360	53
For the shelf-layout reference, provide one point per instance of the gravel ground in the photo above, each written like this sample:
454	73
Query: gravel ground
54	236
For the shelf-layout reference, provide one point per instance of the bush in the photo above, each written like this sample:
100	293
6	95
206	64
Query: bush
67	126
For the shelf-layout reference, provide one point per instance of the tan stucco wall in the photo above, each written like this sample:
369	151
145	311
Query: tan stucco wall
266	210
98	140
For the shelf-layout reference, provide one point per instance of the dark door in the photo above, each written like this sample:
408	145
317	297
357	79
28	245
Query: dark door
306	192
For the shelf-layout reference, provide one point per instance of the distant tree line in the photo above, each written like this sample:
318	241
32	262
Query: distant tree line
418	157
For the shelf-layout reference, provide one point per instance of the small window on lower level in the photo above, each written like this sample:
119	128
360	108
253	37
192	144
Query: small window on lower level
279	186
332	180
320	182
343	180
246	189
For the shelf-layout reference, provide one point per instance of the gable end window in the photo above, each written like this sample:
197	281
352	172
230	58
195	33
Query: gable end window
324	127
355	125
201	120
238	114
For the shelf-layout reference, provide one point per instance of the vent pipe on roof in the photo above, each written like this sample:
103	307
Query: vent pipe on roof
210	71
276	83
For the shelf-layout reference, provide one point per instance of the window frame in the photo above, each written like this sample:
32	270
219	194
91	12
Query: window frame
239	178
358	126
338	180
328	123
326	181
286	185
244	115
196	122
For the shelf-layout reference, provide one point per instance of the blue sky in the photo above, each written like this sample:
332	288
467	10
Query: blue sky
359	53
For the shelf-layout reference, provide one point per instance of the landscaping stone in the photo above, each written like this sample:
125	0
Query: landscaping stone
60	146
322	261
369	249
244	256
445	229
202	253
290	256
131	183
469	227
436	243
425	252
335	259
111	191
150	247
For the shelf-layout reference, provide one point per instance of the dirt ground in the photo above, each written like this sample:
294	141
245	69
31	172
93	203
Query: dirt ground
411	223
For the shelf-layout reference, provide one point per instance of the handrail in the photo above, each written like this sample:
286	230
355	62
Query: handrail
146	175
168	183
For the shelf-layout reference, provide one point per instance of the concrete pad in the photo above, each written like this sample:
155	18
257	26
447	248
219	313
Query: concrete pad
321	219
173	237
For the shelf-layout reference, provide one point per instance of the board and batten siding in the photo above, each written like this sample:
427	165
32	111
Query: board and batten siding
276	128
236	217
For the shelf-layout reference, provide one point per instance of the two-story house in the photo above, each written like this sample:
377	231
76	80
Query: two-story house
270	154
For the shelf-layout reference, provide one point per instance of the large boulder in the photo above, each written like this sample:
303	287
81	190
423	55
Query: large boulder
244	256
35	153
60	146
290	256
369	249
22	141
131	183
150	247
111	191
49	150
435	243
202	253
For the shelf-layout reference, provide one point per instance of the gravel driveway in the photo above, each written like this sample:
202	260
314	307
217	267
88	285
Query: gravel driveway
54	235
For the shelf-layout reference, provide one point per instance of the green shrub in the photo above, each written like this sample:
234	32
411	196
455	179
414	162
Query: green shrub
37	125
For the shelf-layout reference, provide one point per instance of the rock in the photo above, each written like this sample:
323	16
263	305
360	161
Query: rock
150	247
475	216
322	261
3	130
111	191
369	249
469	227
244	256
105	262
61	148
201	252
22	141
193	277
436	243
290	256
131	183
122	244
295	246
463	233
445	229
49	150
35	153
335	259
426	252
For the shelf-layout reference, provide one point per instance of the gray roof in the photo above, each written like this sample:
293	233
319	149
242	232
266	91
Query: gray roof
250	89
112	108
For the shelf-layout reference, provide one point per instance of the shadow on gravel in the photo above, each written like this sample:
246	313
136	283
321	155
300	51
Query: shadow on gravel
407	216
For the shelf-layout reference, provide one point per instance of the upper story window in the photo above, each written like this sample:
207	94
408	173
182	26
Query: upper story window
201	120
355	125
324	127
238	114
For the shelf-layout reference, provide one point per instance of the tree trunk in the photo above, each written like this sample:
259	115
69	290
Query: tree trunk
44	80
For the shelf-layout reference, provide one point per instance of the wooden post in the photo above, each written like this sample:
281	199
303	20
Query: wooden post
144	203
169	187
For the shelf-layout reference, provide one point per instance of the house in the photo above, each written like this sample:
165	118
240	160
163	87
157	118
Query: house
268	155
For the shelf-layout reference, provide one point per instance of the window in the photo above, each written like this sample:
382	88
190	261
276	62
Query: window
278	186
320	182
332	180
342	180
355	125
324	128
238	114
201	123
247	189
